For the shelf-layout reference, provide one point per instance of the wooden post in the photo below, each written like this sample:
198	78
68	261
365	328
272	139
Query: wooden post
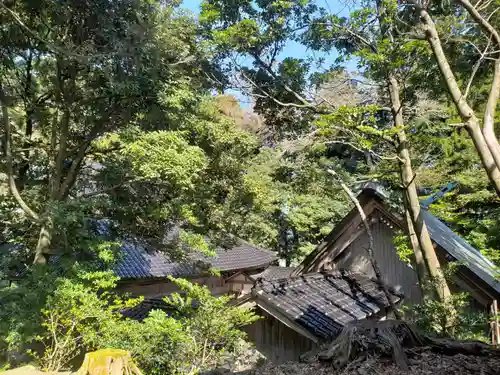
495	326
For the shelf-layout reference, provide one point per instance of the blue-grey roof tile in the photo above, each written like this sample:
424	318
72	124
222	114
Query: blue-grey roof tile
323	303
461	250
140	262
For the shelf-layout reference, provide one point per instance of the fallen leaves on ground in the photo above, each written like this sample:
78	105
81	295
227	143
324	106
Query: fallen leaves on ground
421	362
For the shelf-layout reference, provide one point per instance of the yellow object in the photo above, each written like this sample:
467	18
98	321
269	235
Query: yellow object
108	362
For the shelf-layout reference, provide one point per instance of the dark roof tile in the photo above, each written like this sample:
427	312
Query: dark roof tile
138	262
324	303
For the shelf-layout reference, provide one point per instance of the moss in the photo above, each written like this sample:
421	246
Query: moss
108	362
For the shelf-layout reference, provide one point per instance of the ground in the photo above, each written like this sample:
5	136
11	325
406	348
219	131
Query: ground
421	362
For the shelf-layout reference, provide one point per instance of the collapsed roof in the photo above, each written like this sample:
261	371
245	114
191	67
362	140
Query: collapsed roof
318	305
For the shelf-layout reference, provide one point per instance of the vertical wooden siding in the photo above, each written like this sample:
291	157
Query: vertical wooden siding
276	341
396	273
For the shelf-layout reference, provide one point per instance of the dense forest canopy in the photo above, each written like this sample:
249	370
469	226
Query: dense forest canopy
120	112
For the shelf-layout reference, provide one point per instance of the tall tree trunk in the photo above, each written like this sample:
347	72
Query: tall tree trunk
413	203
490	157
421	267
494	94
28	131
425	250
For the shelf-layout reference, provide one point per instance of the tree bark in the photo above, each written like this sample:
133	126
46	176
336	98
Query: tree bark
28	131
413	203
420	265
43	244
424	252
486	146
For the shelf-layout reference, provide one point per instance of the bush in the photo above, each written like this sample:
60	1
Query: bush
79	312
198	331
434	316
453	317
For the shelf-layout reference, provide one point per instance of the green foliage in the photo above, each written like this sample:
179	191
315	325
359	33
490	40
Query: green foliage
80	312
74	314
403	247
455	317
164	156
194	335
472	208
294	202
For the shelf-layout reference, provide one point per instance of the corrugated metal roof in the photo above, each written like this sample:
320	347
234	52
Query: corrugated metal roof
461	250
139	262
323	303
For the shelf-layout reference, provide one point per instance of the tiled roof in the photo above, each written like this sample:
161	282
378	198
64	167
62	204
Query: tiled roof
142	310
323	303
273	273
139	262
461	250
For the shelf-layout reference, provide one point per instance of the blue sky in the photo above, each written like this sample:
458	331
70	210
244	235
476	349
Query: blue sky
293	49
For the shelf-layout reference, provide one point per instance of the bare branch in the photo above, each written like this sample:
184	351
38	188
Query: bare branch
186	60
370	251
102	191
350	144
488	29
494	94
475	69
492	13
267	95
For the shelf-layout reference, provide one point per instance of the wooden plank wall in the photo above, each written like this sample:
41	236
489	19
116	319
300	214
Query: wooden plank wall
162	288
395	272
276	341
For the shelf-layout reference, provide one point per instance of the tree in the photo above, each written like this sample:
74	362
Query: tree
106	115
484	137
368	35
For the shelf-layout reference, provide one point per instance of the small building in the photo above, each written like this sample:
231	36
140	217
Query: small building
345	248
304	311
144	271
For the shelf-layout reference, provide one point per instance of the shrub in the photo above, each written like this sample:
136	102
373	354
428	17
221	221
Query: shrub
453	317
79	312
193	336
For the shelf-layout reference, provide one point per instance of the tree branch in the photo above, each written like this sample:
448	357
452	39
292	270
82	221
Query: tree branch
371	253
267	95
287	88
475	69
8	158
488	29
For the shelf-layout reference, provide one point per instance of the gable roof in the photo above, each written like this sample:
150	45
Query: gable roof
458	248
320	304
139	262
346	230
